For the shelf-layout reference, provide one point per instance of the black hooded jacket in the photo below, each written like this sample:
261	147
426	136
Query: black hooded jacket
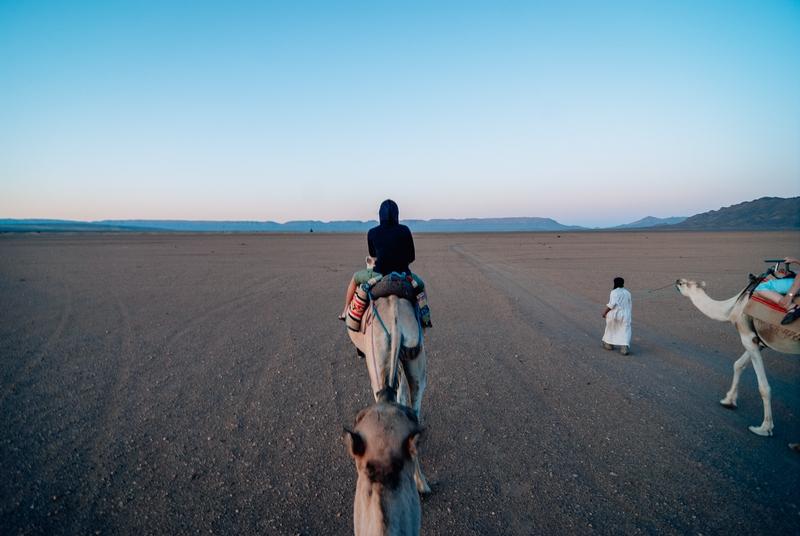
391	242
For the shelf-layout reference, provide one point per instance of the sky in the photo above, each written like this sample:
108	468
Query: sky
590	113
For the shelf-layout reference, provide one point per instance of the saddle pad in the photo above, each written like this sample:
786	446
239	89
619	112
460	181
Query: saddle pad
393	285
771	313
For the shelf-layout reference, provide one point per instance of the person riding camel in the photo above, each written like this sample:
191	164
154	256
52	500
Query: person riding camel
782	292
392	247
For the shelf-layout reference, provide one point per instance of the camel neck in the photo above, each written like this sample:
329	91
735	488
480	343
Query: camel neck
717	310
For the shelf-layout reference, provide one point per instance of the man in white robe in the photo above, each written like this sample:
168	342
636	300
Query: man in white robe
618	318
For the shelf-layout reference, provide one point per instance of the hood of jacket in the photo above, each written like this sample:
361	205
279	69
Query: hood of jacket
389	213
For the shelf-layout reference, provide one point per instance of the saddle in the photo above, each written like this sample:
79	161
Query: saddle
764	311
394	284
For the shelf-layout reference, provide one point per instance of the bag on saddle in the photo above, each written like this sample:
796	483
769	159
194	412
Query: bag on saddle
359	304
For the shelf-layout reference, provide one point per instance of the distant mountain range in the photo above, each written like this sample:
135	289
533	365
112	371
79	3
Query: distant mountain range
650	221
767	213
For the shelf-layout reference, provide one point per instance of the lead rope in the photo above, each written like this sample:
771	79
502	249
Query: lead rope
674	290
375	309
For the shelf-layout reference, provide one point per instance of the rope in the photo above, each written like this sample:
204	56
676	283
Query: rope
375	309
673	291
655	289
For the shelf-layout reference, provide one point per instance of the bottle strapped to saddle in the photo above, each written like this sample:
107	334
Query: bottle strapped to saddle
422	304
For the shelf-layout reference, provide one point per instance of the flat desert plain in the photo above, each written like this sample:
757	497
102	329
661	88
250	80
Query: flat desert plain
174	383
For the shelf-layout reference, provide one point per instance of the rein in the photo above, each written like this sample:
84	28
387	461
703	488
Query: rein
673	291
375	310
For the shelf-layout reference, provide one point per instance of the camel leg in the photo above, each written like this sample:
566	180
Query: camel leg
419	478
733	393
763	385
401	387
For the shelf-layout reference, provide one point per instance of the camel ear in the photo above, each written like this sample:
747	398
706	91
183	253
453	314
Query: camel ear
355	443
702	284
360	415
411	445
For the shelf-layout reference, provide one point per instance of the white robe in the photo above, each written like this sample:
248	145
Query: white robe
618	319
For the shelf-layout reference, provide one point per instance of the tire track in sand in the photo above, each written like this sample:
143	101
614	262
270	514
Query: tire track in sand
43	350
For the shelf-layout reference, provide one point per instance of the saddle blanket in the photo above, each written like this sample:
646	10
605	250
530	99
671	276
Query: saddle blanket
771	313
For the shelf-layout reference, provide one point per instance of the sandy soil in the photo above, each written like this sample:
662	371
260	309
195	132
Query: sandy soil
199	383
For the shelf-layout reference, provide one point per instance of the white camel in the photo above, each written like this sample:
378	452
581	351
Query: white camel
390	337
384	446
752	333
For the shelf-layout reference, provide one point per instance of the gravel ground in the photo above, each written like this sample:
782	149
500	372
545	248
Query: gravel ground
198	383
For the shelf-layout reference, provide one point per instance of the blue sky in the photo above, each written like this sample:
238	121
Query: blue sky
590	113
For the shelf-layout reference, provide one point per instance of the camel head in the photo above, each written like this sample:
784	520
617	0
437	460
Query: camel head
687	288
384	446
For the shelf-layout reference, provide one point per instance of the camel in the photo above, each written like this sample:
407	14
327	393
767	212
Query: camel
390	335
384	446
752	332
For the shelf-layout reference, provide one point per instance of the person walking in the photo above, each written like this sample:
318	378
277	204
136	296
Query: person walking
618	318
